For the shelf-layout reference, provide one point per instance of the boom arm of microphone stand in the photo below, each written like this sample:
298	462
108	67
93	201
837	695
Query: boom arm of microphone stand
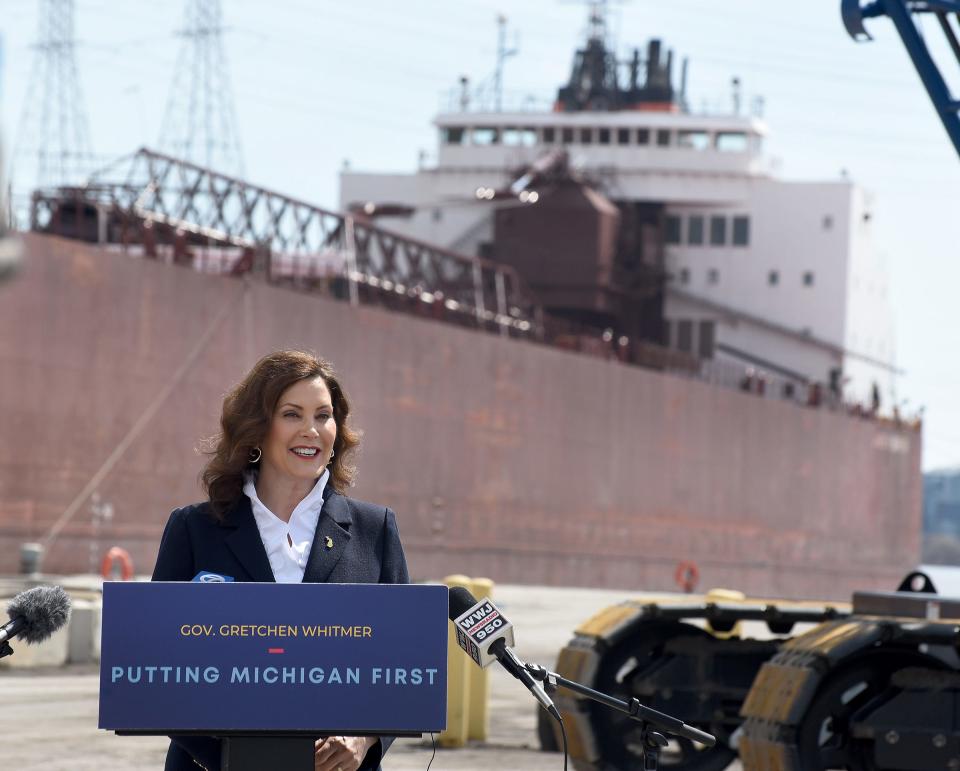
633	708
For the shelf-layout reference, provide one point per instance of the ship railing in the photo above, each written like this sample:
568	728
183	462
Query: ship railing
757	382
177	212
170	209
484	100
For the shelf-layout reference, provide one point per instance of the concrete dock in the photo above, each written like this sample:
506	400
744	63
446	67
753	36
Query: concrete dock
50	715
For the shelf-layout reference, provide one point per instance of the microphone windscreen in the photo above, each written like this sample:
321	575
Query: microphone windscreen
44	610
461	600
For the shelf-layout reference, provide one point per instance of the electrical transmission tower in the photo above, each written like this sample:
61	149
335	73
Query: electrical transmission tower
200	123
53	130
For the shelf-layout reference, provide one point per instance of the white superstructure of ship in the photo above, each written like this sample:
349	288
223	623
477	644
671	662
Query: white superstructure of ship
763	276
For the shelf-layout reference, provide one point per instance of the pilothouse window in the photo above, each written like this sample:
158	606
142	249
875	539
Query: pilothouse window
718	231
732	142
485	136
520	137
696	140
452	135
671	229
695	230
741	231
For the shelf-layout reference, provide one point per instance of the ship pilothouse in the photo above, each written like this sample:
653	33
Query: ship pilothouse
625	211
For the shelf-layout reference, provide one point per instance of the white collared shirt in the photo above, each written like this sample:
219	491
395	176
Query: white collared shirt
287	543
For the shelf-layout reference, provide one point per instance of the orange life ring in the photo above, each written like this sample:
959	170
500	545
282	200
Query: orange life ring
116	554
687	575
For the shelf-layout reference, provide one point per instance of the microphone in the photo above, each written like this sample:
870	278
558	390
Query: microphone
35	614
486	636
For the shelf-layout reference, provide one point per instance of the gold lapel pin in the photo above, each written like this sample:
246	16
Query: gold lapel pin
329	542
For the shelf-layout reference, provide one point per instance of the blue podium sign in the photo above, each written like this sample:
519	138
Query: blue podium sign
228	657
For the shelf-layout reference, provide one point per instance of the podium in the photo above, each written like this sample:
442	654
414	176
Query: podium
252	753
267	668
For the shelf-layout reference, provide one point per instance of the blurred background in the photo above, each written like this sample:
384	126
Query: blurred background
731	218
629	298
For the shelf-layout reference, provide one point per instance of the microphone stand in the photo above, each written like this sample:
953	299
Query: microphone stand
649	719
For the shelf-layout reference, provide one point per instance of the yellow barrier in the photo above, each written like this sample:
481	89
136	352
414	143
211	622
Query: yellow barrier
468	686
478	691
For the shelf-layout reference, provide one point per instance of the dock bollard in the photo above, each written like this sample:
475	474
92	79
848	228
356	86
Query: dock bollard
468	686
458	681
30	556
478	692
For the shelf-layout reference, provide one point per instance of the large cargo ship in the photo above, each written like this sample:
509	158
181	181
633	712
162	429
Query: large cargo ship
503	457
614	431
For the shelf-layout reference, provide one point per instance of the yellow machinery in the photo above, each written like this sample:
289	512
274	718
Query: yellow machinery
878	690
678	655
872	685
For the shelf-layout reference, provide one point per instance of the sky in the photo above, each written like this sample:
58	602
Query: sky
317	84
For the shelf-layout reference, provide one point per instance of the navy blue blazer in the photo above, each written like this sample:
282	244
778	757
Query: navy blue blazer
366	550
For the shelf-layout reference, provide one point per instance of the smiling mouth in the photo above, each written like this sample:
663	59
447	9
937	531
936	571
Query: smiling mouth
305	452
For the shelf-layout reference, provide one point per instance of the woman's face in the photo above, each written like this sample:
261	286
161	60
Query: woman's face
302	431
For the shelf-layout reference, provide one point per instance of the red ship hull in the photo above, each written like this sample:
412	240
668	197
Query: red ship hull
502	458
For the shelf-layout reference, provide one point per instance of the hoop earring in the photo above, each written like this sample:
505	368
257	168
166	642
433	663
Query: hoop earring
255	454
330	459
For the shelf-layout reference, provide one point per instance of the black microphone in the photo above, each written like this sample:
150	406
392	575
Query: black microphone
35	614
486	635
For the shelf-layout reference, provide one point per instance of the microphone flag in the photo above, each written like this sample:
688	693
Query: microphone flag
477	629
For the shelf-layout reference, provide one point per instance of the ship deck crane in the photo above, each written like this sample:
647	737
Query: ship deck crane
901	14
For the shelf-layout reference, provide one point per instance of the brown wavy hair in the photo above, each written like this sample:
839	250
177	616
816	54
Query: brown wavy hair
245	422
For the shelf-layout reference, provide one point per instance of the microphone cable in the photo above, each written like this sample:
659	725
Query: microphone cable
563	733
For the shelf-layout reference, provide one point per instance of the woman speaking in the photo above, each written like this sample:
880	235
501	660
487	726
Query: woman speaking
276	511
